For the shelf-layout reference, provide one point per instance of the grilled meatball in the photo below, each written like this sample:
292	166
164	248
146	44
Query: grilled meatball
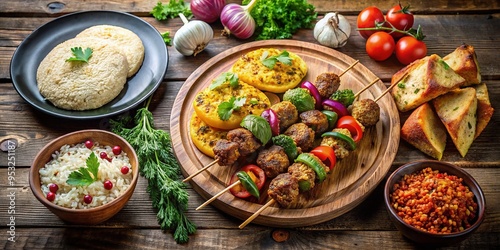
273	161
327	83
284	189
316	120
226	152
340	147
287	114
304	175
247	142
302	135
366	111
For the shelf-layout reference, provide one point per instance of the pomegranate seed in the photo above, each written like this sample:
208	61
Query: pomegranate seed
51	196
124	170
117	150
104	156
108	185
53	188
89	144
87	199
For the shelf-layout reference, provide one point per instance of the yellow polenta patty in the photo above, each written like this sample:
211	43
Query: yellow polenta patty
206	102
204	137
282	77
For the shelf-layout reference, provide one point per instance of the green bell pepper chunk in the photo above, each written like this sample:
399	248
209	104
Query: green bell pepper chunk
313	162
340	136
332	118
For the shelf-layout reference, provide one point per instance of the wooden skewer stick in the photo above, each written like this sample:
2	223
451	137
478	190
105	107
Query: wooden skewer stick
251	218
199	171
365	88
385	92
350	67
218	194
392	86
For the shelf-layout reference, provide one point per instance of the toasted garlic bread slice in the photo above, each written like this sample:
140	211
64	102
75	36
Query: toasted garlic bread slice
457	110
424	130
422	81
279	79
464	62
484	108
204	137
207	101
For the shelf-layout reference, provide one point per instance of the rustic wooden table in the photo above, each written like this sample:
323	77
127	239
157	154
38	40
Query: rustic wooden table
447	25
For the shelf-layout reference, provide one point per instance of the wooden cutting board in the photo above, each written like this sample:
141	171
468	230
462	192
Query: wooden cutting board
351	181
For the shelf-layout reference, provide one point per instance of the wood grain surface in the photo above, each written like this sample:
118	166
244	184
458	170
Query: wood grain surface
353	178
446	24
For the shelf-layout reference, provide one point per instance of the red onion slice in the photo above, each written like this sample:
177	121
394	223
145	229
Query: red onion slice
335	106
314	92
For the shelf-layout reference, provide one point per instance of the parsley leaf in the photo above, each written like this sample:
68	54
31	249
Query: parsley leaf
166	38
283	57
232	78
225	109
79	55
85	176
280	19
171	10
158	164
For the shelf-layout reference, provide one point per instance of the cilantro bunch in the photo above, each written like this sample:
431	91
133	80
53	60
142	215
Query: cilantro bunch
160	167
280	19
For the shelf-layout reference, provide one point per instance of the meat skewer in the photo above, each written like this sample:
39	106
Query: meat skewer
272	201
217	159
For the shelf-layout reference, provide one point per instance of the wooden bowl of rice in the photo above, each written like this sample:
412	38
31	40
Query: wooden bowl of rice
434	203
106	203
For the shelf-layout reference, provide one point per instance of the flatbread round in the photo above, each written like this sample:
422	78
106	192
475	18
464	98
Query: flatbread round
76	85
279	79
127	41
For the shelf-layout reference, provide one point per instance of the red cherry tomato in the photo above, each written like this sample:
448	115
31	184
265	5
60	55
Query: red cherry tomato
401	18
380	46
257	175
367	19
326	154
409	49
348	122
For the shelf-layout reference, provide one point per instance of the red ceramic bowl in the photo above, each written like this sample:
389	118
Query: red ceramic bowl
92	215
423	237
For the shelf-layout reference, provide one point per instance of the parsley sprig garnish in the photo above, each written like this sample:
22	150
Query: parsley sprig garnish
225	109
85	176
232	78
160	167
80	55
171	10
283	57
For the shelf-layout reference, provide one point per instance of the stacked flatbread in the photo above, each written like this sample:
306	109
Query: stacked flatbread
117	54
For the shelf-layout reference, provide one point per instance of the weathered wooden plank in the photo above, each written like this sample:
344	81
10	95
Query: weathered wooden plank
443	36
142	8
132	238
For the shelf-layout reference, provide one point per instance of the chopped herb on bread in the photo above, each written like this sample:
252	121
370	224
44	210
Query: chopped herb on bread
422	81
457	110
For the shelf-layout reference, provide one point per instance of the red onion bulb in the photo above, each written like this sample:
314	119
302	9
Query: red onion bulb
237	20
207	10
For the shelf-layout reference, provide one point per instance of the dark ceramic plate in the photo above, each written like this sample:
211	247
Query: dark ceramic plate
38	44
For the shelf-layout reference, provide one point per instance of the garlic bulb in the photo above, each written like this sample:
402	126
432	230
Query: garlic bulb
192	37
333	30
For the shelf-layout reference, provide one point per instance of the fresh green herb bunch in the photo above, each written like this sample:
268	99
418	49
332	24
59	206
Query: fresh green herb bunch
280	19
160	167
171	10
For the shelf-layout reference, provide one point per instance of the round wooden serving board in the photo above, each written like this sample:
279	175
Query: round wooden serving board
351	181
